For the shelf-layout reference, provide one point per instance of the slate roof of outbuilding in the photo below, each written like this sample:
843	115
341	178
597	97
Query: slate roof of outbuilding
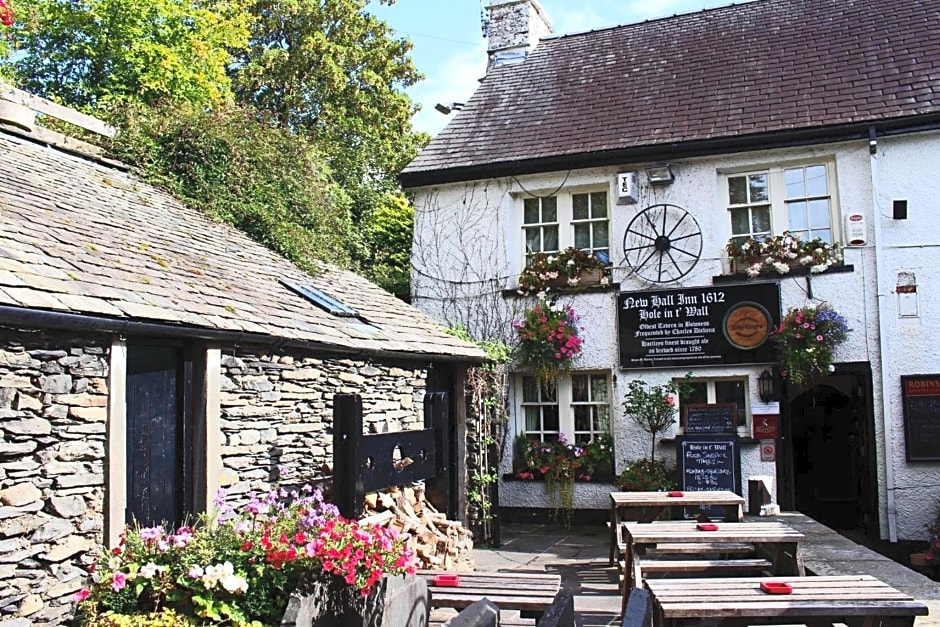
81	237
696	82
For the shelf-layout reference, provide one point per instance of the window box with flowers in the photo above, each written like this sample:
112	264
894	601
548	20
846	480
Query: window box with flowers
560	464
806	340
243	567
548	340
570	268
780	254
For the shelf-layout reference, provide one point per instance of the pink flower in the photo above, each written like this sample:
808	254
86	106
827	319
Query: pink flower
118	581
82	594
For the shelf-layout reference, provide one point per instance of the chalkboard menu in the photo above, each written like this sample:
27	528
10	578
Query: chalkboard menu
709	463
698	326
710	418
921	399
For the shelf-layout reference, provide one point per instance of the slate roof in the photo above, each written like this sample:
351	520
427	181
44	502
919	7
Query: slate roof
791	71
80	237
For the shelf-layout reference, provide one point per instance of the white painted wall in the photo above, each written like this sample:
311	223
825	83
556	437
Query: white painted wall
468	244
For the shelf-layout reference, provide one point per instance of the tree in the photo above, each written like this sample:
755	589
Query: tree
387	231
95	52
652	407
329	70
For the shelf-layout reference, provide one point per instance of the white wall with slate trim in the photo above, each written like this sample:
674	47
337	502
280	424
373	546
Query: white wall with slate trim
275	409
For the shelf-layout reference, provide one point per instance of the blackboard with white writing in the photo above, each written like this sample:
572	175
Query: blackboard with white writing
921	394
710	418
709	463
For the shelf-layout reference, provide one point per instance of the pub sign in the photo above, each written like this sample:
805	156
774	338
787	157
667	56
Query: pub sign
698	326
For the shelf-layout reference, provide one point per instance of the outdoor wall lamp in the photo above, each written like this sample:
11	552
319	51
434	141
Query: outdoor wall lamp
660	174
447	108
765	386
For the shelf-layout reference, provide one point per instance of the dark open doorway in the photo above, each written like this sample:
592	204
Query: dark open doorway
829	472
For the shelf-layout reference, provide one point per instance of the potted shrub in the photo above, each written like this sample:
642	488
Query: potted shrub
807	338
653	407
571	267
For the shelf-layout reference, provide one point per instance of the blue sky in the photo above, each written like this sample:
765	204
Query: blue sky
450	51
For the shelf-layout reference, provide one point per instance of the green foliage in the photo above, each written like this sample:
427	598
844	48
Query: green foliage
543	269
387	231
238	168
645	475
336	73
548	340
98	53
559	460
164	618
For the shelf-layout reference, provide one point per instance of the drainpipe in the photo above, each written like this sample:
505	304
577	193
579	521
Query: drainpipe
884	314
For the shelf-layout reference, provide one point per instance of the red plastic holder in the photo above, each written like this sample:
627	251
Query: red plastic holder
776	587
447	581
675	493
707	527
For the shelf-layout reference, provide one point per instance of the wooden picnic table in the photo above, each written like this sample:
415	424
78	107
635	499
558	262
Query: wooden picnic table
530	593
778	542
855	600
647	507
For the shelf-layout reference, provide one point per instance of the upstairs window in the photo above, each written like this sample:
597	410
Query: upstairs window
579	219
798	199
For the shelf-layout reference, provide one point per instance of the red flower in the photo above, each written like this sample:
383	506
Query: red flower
6	14
246	546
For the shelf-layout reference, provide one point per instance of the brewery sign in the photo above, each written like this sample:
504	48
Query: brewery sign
698	326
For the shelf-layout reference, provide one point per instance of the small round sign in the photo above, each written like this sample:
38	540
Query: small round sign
747	325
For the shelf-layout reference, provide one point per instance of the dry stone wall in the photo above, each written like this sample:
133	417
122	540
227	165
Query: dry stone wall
277	410
53	410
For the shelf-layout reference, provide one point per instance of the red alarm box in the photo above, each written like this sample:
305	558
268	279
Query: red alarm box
675	493
707	527
447	581
776	587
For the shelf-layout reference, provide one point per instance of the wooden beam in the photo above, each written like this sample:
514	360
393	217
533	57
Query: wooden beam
57	111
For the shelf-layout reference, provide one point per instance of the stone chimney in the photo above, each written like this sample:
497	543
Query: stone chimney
513	30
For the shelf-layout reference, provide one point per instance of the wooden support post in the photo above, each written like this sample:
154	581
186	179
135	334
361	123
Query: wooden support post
347	439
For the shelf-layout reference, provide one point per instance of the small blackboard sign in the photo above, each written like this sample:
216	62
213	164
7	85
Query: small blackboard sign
921	400
711	418
709	463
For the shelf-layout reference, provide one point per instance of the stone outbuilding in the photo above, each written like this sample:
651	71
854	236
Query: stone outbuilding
150	356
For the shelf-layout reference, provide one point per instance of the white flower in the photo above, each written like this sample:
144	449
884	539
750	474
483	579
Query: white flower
148	570
604	280
819	268
234	583
753	269
781	267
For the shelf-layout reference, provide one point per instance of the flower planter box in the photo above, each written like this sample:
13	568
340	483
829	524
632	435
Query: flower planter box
399	601
585	277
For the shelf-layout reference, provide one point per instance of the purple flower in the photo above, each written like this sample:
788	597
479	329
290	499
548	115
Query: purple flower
149	534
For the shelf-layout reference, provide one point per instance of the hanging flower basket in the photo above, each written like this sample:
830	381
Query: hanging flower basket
548	340
807	338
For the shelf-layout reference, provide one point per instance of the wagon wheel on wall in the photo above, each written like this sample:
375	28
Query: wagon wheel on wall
662	243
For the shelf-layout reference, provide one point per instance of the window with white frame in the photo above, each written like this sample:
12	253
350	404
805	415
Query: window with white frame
578	408
798	199
712	391
579	219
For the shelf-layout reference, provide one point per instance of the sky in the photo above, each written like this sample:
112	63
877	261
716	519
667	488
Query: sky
449	49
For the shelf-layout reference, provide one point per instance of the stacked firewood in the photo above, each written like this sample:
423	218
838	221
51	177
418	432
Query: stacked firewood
440	544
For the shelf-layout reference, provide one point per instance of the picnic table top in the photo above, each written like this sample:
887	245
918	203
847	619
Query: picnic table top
513	590
688	531
843	595
655	499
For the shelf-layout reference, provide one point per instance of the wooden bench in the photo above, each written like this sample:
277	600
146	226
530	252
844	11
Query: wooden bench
647	566
701	548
